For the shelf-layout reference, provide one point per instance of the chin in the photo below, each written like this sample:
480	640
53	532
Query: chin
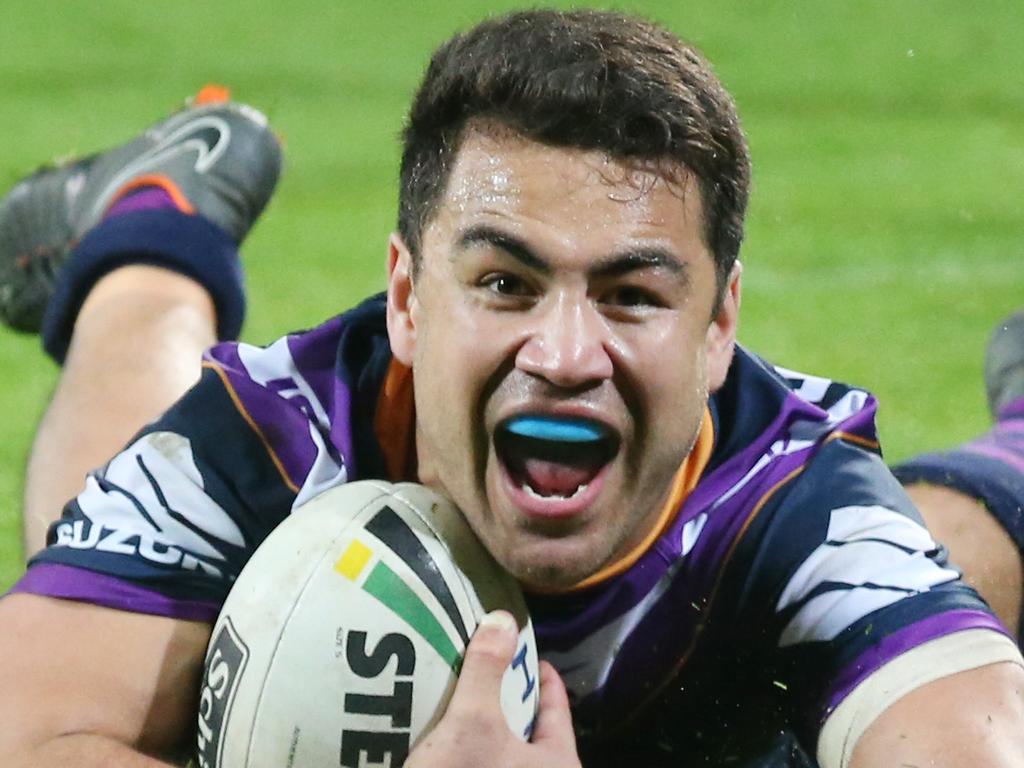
546	579
550	566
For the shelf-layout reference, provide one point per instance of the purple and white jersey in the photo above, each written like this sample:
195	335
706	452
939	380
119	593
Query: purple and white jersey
793	571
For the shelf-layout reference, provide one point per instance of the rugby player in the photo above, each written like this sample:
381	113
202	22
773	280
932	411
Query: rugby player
972	497
720	568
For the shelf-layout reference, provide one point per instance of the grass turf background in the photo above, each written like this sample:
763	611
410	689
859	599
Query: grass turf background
885	234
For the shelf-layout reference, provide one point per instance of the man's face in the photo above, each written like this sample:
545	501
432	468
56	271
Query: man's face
561	284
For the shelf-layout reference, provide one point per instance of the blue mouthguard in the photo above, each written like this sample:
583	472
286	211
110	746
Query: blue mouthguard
567	430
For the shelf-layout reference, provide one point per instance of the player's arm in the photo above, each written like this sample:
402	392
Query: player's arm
90	686
98	651
883	645
971	719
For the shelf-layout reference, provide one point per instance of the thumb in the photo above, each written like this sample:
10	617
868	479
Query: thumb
489	652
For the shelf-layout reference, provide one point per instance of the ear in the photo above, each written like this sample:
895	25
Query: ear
721	338
401	314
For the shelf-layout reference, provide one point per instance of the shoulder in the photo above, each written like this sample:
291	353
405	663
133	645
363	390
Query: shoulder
170	521
341	347
790	449
761	403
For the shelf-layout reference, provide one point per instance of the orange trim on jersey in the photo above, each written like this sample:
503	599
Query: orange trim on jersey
212	93
394	423
850	437
684	481
216	368
156	180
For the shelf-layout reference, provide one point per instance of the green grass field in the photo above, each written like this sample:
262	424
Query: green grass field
886	234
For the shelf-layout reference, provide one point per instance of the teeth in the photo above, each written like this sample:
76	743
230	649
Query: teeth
554	496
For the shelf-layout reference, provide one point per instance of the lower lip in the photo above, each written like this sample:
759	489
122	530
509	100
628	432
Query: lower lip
554	509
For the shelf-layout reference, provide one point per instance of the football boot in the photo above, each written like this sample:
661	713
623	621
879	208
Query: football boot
1004	363
214	157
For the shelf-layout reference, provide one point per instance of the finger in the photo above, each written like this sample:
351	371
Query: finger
554	719
489	652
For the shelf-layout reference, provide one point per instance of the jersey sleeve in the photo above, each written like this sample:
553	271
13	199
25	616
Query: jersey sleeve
847	580
167	525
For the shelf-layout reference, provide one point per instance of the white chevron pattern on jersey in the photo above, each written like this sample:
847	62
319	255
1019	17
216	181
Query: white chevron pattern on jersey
872	558
119	527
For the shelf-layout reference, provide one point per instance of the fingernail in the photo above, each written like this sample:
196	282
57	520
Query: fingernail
502	620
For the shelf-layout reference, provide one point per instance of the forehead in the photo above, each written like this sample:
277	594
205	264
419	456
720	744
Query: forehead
568	196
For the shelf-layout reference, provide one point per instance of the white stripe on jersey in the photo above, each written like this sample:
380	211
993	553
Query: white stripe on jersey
872	557
810	388
116	519
814	388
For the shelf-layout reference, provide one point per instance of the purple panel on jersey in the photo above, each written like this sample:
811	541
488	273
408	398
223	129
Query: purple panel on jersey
68	583
226	354
283	425
729	475
682	610
727	518
315	354
900	642
668	593
862	423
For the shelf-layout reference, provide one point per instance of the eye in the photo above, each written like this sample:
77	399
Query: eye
630	296
505	284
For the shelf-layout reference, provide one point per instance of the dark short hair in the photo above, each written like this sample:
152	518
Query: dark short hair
584	79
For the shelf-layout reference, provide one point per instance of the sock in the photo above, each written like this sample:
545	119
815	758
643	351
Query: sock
989	468
133	231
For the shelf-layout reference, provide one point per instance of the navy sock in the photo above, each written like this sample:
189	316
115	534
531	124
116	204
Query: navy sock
989	468
165	237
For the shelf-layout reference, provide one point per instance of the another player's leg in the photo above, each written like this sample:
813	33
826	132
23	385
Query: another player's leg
973	497
126	262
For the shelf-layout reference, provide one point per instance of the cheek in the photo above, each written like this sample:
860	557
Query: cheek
456	358
667	394
669	362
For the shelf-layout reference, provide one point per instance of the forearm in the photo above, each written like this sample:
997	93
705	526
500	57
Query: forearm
82	751
79	682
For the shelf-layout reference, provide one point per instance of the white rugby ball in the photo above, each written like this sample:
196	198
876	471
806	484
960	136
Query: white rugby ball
342	638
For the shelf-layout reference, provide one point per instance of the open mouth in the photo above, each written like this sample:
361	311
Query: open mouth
554	458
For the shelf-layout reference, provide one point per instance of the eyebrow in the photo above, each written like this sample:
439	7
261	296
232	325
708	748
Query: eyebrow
615	265
482	234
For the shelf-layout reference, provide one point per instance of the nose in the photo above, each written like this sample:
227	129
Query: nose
568	344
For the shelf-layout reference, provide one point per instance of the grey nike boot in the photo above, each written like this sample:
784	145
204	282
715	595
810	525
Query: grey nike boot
1004	363
214	157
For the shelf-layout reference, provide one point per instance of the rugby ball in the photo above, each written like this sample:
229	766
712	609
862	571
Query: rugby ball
341	640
